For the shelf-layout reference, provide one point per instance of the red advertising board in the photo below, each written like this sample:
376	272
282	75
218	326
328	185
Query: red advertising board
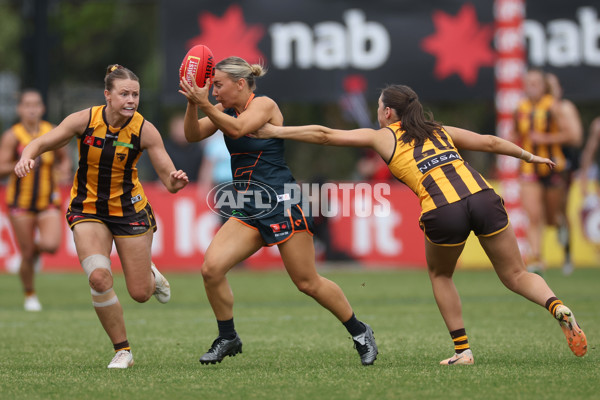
376	225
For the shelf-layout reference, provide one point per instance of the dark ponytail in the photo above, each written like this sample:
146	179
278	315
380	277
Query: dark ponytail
417	124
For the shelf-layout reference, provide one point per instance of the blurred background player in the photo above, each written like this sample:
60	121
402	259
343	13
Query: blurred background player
570	136
589	156
542	190
108	203
589	168
260	162
216	167
216	162
33	201
455	200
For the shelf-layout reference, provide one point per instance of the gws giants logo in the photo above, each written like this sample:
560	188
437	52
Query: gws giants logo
256	200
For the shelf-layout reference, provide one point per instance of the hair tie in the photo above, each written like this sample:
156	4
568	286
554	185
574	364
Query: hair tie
116	66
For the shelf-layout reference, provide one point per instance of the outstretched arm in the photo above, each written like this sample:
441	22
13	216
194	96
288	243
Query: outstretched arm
58	137
174	180
8	145
469	140
381	140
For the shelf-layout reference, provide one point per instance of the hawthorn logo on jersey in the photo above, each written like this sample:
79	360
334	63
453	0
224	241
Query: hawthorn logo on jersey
256	200
121	156
94	141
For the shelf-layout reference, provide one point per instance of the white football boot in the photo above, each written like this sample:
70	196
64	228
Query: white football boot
32	303
163	289
464	358
122	359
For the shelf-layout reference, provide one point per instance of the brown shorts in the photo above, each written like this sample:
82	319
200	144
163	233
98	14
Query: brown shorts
450	225
135	225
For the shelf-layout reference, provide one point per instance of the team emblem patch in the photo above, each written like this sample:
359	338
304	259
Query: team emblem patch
94	141
121	156
278	227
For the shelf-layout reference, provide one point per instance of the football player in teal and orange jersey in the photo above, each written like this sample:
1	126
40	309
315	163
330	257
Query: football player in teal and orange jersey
455	200
258	163
108	203
33	201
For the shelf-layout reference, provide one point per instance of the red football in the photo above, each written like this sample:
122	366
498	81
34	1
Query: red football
198	64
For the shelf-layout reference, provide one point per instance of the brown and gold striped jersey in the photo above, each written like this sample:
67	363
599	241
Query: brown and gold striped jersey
538	117
38	190
434	170
106	182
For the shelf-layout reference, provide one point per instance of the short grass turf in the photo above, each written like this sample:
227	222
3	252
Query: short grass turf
293	348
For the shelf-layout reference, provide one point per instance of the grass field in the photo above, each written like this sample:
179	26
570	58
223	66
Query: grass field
294	349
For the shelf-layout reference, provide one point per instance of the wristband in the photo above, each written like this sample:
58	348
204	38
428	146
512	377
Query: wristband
523	154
